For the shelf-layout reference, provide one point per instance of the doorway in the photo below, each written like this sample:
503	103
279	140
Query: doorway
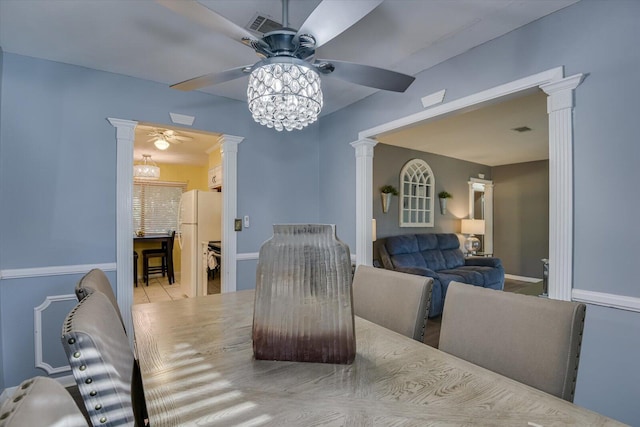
125	134
184	159
559	90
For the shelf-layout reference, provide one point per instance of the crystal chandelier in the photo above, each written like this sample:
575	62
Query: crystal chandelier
284	93
147	169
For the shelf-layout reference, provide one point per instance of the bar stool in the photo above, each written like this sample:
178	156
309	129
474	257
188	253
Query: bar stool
166	260
135	268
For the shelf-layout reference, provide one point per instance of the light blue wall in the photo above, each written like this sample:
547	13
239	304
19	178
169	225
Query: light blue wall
594	37
62	212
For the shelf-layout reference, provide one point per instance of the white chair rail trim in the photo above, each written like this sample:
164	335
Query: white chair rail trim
61	270
606	300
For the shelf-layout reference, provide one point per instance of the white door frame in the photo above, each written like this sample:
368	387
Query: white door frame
125	134
560	102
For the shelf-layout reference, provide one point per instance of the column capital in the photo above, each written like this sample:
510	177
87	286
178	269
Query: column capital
364	147
125	129
561	92
229	143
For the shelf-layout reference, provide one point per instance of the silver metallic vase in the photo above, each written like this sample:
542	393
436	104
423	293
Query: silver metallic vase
303	310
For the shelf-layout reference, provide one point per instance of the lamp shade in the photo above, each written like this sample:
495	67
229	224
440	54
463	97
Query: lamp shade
472	226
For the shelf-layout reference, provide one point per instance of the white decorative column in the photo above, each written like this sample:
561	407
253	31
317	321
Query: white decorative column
364	200
488	218
229	150
125	134
560	109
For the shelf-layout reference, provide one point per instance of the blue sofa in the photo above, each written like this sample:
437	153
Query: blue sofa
439	256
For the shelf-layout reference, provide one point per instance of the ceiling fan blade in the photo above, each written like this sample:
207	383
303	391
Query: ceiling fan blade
180	138
206	17
331	18
365	75
213	78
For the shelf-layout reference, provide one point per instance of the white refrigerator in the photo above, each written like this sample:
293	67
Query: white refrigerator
199	222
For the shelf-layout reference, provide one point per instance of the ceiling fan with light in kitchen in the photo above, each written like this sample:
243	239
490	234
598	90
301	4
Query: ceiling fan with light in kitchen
162	138
284	90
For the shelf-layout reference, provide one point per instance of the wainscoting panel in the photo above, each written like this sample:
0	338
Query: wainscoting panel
53	360
34	304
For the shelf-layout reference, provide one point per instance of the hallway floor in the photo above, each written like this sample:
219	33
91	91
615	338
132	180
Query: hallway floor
159	289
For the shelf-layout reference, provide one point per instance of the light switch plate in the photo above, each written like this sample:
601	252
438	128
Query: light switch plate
246	221
237	224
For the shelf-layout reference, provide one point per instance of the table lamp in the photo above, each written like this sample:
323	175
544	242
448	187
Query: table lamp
472	227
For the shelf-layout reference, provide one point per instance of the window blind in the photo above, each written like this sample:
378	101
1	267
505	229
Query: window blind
155	205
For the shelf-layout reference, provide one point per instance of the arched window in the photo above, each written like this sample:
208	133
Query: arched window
417	185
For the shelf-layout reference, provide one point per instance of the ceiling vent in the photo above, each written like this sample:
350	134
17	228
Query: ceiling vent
262	24
522	129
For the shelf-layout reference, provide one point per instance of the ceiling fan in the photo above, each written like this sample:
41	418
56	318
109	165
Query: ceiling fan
284	86
163	137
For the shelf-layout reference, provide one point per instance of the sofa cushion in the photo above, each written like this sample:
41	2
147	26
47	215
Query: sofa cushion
469	276
404	251
403	244
491	277
414	259
450	247
427	242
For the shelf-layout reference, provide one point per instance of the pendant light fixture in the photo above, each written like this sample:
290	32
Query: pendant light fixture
161	144
284	93
147	169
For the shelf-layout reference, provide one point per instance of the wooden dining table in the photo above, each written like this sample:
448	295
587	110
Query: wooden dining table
197	366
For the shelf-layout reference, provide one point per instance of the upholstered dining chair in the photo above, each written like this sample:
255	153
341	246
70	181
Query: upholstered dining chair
532	340
102	363
96	280
396	301
41	402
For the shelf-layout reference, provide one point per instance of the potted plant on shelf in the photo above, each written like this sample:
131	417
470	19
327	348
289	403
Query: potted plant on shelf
386	191
443	196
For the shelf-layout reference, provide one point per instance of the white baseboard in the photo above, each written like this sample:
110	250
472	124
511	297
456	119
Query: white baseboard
522	278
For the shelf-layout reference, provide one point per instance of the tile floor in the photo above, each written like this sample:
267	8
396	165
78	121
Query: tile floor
159	289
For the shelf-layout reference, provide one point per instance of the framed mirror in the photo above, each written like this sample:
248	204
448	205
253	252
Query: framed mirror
481	207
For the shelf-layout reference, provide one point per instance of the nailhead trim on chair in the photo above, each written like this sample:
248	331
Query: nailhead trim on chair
577	356
80	366
426	317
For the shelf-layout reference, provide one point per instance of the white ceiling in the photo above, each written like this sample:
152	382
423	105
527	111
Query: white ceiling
486	135
194	152
143	39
